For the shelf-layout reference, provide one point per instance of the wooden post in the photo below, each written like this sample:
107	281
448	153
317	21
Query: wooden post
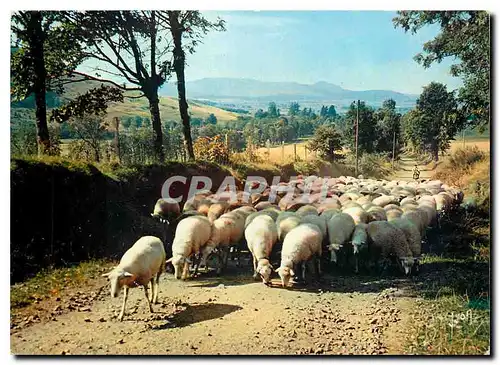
357	127
305	153
463	138
393	147
295	151
283	151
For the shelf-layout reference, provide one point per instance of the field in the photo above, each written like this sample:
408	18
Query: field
482	143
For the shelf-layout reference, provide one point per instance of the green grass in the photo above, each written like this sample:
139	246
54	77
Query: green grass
50	282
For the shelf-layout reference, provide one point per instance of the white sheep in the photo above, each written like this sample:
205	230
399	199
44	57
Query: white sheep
227	230
359	242
340	229
285	222
358	214
319	220
383	200
261	235
301	245
142	264
191	235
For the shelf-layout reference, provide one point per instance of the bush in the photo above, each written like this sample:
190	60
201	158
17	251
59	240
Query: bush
374	165
211	149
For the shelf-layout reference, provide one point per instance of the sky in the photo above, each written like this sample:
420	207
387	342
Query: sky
354	49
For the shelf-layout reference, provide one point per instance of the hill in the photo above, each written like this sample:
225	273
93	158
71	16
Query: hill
241	90
169	109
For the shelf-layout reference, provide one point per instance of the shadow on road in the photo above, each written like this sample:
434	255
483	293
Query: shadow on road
198	313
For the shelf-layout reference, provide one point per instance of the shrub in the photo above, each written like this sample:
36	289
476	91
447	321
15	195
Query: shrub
211	149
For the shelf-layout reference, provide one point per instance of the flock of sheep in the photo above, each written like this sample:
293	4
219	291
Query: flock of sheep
356	222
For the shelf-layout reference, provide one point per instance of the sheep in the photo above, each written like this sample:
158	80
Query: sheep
328	213
216	210
261	235
285	222
191	234
359	243
376	213
383	200
385	240
227	230
412	233
307	209
166	209
271	213
301	245
320	221
393	213
340	229
141	264
358	214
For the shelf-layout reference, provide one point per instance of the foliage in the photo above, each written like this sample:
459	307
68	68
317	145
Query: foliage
211	119
464	35
294	109
91	131
435	120
325	142
388	127
212	149
366	128
93	102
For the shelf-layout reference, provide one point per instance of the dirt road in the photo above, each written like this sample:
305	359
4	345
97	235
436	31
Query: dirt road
405	172
228	315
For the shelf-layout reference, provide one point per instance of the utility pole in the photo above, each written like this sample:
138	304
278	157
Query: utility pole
357	128
463	138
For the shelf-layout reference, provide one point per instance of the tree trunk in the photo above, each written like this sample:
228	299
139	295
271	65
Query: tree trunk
179	62
156	123
36	39
435	150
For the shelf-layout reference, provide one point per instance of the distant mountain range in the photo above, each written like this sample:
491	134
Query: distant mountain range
239	90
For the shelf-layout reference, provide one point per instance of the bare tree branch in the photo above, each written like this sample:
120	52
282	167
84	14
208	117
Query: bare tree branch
90	77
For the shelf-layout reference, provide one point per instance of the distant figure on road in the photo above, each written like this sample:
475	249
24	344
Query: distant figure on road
416	172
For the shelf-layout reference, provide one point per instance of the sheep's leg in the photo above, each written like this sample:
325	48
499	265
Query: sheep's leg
157	286
304	271
185	271
356	266
151	285
254	260
147	298
125	296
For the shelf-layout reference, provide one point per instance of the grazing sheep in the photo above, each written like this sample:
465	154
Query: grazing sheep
359	243
271	213
320	221
328	213
166	209
227	230
285	222
191	235
340	229
376	213
412	233
301	245
358	214
261	235
386	241
394	213
142	264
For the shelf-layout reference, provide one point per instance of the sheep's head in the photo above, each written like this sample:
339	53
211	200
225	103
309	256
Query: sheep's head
264	269
178	262
285	274
118	278
405	264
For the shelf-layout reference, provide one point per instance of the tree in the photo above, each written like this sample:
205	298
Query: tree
44	49
388	124
126	122
211	119
259	114
138	121
294	108
438	118
91	130
366	128
332	113
272	110
326	141
191	26
132	46
464	35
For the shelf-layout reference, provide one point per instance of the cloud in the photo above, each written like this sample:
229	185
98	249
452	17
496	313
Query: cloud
255	19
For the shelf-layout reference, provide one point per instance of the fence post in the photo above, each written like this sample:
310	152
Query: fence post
282	151
295	151
305	153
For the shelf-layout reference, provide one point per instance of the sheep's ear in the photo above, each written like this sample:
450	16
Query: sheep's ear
169	260
152	215
106	275
127	274
292	272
